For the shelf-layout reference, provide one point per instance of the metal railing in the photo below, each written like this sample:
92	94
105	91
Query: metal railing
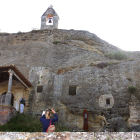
2	99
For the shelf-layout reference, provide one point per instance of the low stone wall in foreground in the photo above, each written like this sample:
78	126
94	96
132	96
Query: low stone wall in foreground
6	113
70	136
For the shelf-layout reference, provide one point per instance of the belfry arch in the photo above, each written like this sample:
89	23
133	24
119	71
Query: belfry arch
49	20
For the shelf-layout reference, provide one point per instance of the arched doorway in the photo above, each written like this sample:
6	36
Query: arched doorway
49	20
3	98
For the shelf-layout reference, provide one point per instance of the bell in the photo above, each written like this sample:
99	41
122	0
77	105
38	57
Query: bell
50	20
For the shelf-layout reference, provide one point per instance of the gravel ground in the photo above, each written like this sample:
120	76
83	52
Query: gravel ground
70	136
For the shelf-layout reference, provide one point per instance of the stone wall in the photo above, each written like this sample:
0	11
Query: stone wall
93	86
70	136
134	107
6	113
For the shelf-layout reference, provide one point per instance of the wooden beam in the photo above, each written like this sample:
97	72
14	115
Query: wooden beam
3	71
3	80
21	81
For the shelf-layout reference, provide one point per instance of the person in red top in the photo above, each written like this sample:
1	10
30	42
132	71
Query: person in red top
45	119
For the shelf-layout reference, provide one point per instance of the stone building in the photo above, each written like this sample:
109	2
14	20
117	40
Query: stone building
49	19
71	73
13	85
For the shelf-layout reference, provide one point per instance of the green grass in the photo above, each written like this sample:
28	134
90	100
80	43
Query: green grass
26	123
132	89
56	42
22	123
117	55
131	59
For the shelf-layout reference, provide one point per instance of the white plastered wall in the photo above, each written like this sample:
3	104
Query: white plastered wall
18	90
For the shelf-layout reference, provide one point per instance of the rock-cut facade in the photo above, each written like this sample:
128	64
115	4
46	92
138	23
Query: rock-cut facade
71	73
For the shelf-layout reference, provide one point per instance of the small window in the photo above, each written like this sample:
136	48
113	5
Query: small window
39	88
108	101
72	90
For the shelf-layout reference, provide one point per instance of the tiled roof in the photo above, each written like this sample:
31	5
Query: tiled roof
18	73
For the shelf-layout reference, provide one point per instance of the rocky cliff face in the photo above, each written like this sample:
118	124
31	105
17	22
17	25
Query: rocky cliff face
55	60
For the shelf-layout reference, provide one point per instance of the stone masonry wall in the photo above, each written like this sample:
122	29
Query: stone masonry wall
70	135
6	113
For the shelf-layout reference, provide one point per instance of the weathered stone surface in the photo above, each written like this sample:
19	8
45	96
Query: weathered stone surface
6	113
21	135
113	135
136	135
70	136
58	59
103	100
134	119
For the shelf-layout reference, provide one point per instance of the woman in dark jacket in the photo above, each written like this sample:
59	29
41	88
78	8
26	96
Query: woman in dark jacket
45	119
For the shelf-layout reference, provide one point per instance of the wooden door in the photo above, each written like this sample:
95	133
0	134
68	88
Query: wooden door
85	115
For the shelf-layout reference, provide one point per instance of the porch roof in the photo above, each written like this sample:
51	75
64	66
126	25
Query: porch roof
17	74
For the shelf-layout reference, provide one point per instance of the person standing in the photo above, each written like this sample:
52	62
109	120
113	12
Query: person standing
45	119
22	104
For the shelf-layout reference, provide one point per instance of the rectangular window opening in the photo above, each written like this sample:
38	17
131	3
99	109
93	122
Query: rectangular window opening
108	101
72	90
39	88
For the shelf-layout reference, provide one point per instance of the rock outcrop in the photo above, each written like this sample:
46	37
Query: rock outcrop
55	60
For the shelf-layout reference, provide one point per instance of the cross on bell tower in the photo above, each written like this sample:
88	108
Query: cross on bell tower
49	19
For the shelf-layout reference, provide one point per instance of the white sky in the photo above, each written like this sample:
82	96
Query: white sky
115	21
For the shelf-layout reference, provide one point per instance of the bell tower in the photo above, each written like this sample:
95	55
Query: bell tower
49	19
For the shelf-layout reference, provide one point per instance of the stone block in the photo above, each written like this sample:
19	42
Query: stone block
1	117
1	109
82	135
2	113
113	135
136	135
3	121
7	114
